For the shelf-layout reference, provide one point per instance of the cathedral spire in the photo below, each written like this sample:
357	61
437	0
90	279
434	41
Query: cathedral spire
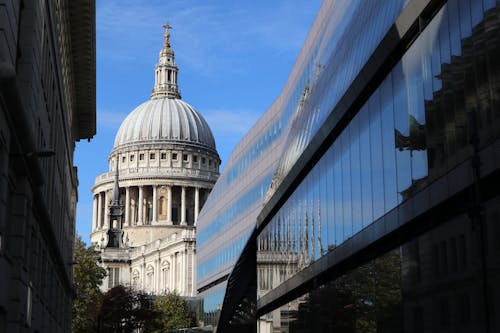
166	71
115	232
116	188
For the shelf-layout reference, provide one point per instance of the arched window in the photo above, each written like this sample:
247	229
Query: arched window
135	279
150	278
165	268
161	205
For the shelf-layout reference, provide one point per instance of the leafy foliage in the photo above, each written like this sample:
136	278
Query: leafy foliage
366	299
173	313
125	310
120	309
88	277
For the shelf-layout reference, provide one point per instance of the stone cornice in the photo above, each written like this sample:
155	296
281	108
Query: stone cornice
157	176
164	144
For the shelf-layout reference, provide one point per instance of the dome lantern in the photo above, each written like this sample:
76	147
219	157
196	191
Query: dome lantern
166	71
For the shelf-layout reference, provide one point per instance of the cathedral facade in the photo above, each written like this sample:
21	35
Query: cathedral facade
162	167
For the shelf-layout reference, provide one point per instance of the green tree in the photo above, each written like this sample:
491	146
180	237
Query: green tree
173	313
86	281
124	310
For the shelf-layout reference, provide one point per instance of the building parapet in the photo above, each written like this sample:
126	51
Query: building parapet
157	172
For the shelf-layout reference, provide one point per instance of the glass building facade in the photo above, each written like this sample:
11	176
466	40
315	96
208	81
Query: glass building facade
365	199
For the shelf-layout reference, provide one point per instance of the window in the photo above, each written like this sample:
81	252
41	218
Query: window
141	157
152	156
131	158
210	162
203	160
123	159
195	158
163	156
174	156
113	276
184	157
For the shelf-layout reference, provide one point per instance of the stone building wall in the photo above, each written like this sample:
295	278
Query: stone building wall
47	102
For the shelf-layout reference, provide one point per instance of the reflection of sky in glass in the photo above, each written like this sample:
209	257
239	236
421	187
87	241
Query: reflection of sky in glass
381	157
212	299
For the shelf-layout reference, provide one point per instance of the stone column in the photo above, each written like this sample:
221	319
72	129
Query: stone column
99	211
105	223
127	206
158	274
141	205
94	213
196	204
169	204
171	287
155	204
183	206
184	272
180	287
193	274
144	276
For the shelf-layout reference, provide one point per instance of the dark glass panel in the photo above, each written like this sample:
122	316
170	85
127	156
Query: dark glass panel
454	26
465	18
388	144
476	9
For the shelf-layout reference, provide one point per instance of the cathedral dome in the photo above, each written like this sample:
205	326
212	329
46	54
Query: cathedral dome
164	119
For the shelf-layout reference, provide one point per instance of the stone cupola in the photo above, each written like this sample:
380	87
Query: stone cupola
166	71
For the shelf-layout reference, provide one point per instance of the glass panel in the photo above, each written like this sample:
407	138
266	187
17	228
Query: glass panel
330	196
388	147
366	177
453	19
346	183
356	198
323	207
337	183
465	18
376	155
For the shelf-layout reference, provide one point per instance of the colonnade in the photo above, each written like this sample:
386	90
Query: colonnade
152	204
166	272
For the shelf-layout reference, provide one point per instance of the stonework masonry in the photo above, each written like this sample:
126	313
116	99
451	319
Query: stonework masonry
47	102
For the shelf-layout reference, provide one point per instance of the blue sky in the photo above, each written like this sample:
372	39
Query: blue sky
233	56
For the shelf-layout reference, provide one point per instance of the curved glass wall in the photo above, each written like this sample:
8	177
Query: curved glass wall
413	129
212	303
428	284
257	156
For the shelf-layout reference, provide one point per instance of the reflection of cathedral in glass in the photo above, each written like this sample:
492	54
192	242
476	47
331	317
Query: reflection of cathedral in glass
161	169
434	114
382	211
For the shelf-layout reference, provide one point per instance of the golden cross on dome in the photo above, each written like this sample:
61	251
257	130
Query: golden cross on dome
167	34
